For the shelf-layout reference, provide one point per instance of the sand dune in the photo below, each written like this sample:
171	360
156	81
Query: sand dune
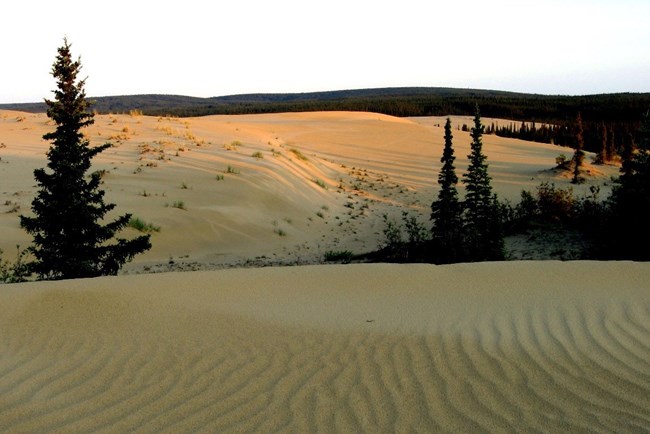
524	347
274	188
493	347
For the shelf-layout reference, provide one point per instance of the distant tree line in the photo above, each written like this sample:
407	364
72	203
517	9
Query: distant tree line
552	115
610	138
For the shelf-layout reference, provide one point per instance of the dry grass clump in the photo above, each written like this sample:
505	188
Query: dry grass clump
299	155
233	146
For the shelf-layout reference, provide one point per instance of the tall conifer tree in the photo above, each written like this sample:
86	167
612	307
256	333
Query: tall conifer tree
629	235
601	155
69	238
579	154
482	225
446	210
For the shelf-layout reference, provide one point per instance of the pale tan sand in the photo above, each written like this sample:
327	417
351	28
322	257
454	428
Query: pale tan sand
274	209
492	347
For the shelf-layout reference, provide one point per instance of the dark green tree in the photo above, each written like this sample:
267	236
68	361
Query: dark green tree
627	159
601	152
611	145
629	234
579	154
446	210
481	218
70	240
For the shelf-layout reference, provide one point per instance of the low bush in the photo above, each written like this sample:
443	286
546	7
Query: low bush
142	226
344	256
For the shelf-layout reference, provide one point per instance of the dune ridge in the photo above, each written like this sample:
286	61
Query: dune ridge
493	347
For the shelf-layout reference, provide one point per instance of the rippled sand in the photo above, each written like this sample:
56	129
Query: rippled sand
525	347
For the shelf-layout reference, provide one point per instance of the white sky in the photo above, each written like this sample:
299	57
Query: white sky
203	48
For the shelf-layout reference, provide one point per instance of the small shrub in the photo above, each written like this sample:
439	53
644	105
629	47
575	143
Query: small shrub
298	154
344	256
415	230
17	271
280	232
554	203
13	207
320	183
392	234
561	162
179	204
184	186
320	214
220	177
232	170
142	226
258	155
527	207
233	145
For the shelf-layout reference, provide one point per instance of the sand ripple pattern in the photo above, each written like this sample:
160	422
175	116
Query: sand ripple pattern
76	362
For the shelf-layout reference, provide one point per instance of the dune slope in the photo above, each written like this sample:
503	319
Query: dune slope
272	188
526	347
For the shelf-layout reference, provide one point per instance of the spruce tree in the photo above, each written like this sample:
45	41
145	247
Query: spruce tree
481	220
629	233
601	155
579	154
446	210
611	145
70	240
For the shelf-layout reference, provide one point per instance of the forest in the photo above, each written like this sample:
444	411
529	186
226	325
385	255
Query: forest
610	117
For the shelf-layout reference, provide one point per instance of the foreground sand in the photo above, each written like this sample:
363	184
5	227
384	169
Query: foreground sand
299	184
525	347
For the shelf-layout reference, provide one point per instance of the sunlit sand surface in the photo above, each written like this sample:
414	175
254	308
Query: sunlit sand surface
493	347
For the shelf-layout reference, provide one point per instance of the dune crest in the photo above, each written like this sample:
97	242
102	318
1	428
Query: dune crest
527	346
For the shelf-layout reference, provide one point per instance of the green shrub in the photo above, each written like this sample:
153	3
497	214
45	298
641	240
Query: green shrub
142	226
257	155
14	272
392	234
179	204
344	256
416	231
555	203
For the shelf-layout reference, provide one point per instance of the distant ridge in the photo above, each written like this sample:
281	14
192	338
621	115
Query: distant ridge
397	101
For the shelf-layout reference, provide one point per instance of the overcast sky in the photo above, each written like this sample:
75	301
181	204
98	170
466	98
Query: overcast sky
204	48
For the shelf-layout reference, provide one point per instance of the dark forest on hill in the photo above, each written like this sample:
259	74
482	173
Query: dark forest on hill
606	117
